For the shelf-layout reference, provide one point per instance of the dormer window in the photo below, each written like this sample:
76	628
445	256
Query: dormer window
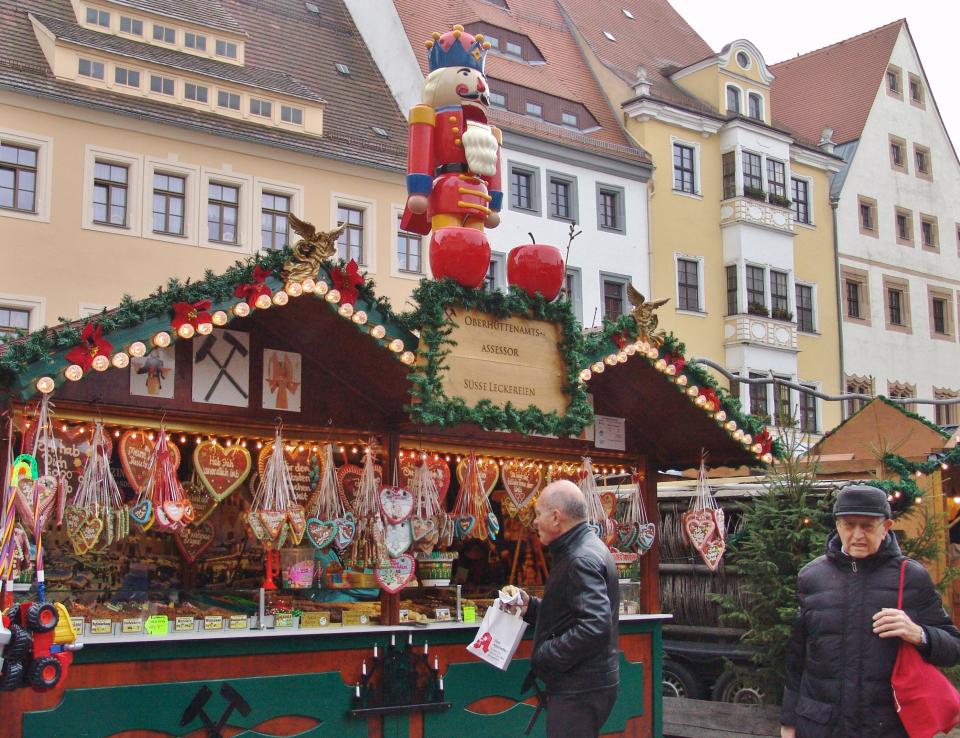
166	34
126	77
569	119
263	108
89	68
514	48
498	99
628	13
289	114
743	60
133	26
226	48
229	100
733	100
195	41
755	103
343	69
194	92
98	17
534	109
381	132
162	85
493	41
609	36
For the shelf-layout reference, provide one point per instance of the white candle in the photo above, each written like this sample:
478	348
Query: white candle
441	684
358	689
364	667
374	650
410	639
426	646
436	664
393	639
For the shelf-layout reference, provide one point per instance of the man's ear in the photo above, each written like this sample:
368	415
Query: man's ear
887	525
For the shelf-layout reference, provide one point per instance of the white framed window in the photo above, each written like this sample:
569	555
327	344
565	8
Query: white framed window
408	257
98	17
227	49
689	284
535	109
270	197
686	167
755	106
196	93
806	304
160	196
734	98
133	26
162	85
801	200
164	34
20	313
360	236
196	41
112	190
26	179
228	100
218	203
291	114
562	197
496	278
498	99
573	290
126	77
808	408
261	108
90	68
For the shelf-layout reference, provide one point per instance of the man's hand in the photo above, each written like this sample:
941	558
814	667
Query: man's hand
788	731
417	204
524	602
511	589
893	623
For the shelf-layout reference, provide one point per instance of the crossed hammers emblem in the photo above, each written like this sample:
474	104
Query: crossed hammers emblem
206	352
196	709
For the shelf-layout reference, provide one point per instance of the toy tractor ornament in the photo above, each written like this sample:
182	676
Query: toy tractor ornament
37	642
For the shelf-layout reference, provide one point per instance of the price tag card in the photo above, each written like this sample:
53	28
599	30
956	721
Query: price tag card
355	618
157	625
213	622
101	626
77	625
183	623
237	622
283	620
442	613
404	616
131	625
469	614
319	619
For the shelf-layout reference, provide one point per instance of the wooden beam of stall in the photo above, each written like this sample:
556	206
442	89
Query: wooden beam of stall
390	603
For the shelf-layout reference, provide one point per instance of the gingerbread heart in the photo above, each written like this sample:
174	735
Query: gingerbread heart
398	538
273	522
608	501
74	449
321	532
464	525
175	511
25	498
522	482
298	523
493	526
488	471
627	534
73	520
422	527
194	540
220	469
306	469
348	477
396	574
439	470
699	526
202	502
90	531
396	503
609	536
142	513
136	452
346	529
712	552
645	537
256	526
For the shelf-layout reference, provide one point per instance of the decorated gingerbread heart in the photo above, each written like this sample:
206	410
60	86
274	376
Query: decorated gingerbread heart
627	534
463	525
396	574
256	526
712	553
348	477
201	501
220	469
305	463
489	472
142	513
194	540
321	532
608	501
136	452
297	519
438	467
522	482
398	538
699	526
346	530
422	527
273	522
645	537
25	499
396	503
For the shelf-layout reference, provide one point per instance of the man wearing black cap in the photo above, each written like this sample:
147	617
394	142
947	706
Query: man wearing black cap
847	631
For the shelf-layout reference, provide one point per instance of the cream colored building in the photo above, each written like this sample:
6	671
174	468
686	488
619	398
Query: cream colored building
741	228
140	142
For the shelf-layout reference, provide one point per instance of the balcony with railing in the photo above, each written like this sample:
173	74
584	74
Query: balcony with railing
758	208
757	328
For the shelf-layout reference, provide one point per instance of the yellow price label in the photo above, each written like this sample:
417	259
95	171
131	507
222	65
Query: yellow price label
156	625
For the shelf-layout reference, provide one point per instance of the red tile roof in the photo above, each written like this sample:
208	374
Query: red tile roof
834	86
657	37
565	73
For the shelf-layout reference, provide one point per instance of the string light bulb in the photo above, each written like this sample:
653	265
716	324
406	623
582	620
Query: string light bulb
359	317
44	385
161	339
597	367
378	331
610	359
321	288
333	297
73	372
220	317
120	360
205	329
585	375
308	285
294	289
396	345
186	331
241	309
630	349
263	302
137	349
681	380
408	357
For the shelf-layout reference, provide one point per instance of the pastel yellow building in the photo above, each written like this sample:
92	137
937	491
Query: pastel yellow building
741	225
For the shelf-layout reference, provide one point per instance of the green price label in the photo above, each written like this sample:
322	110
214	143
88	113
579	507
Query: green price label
469	614
156	625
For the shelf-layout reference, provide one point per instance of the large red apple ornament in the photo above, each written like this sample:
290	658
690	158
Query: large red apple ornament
536	267
462	254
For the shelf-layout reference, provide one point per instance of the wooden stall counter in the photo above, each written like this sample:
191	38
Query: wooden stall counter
305	682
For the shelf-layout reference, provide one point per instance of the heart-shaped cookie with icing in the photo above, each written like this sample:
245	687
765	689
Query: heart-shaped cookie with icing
194	540
396	574
136	452
221	469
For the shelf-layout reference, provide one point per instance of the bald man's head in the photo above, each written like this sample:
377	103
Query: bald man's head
561	506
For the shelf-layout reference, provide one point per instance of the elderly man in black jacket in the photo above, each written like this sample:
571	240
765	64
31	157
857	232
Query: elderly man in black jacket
575	650
847	632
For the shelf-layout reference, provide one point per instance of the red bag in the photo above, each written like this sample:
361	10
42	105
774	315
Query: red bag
926	701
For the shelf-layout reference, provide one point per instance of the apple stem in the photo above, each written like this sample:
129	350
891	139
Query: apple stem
532	239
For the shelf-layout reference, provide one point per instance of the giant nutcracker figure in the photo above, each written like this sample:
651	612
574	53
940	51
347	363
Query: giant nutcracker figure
453	168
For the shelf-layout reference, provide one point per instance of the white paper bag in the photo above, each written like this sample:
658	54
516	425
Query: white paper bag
498	638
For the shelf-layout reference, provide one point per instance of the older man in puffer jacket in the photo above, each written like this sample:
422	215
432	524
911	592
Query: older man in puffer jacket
847	631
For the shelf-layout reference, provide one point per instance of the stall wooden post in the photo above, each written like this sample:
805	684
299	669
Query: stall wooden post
390	603
650	565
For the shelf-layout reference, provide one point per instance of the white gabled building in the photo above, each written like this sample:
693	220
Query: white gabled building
565	156
897	209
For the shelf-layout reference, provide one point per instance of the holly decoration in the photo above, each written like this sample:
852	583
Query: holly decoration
92	345
256	287
346	281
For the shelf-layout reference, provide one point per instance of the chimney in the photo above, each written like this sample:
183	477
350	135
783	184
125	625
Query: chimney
641	87
826	140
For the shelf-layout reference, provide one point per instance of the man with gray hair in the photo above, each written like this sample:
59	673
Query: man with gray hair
575	651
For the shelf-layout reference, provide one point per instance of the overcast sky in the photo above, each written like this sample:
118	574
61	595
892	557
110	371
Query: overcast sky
781	32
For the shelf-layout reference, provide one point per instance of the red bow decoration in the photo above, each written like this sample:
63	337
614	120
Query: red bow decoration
92	344
678	361
194	313
346	281
713	402
765	441
250	292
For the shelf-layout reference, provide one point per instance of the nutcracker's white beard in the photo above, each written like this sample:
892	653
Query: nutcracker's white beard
481	148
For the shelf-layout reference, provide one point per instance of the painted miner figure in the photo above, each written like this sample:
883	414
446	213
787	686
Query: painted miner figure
453	169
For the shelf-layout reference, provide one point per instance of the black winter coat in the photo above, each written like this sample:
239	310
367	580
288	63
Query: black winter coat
838	670
577	620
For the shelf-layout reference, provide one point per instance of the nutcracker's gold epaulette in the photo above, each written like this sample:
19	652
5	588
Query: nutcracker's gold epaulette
497	134
422	114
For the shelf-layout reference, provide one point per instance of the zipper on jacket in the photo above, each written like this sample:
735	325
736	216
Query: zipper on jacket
853	564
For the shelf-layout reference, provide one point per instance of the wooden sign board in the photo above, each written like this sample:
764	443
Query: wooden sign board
505	360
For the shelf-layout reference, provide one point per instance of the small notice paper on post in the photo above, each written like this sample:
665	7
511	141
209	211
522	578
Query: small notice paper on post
500	632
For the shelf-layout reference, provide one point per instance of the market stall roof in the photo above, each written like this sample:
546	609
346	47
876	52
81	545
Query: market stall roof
360	361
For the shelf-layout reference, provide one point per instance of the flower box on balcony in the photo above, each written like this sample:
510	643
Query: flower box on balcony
779	200
756	308
754	193
785	315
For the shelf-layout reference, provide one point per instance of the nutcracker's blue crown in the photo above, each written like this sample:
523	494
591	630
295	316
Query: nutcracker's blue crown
457	48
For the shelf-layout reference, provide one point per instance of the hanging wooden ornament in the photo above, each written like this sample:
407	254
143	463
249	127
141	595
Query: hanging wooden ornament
472	515
267	517
328	510
96	500
368	546
703	523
